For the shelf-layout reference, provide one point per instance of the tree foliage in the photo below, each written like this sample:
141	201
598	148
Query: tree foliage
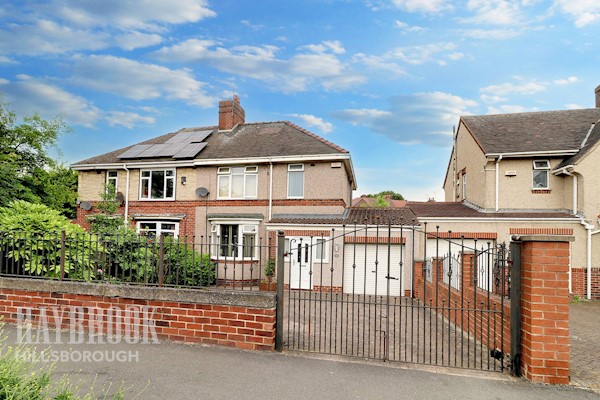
27	171
393	195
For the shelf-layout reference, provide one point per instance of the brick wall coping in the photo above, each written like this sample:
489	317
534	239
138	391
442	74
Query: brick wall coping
542	238
203	296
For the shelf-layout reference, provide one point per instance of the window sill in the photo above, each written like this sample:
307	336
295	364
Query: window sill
541	191
173	199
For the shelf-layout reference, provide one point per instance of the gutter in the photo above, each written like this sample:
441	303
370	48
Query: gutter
589	228
535	153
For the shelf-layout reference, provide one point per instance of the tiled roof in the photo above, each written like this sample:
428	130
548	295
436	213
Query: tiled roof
356	215
591	141
532	131
423	210
263	139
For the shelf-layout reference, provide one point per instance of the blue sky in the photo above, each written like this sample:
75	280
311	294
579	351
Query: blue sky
385	79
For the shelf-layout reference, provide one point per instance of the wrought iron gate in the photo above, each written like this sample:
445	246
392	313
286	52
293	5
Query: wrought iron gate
397	294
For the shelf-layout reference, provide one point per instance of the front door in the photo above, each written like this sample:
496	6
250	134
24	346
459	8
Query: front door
300	254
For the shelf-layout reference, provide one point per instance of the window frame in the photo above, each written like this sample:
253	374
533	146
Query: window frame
290	171
149	178
159	228
228	173
325	251
244	229
545	168
464	186
112	178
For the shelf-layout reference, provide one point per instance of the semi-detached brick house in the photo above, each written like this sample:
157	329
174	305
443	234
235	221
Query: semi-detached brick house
222	184
527	173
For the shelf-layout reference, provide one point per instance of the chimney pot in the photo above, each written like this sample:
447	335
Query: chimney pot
231	114
598	96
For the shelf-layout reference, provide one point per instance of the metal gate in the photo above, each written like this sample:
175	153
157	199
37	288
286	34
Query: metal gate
397	294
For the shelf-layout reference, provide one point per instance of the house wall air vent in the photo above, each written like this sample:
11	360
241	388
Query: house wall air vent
510	173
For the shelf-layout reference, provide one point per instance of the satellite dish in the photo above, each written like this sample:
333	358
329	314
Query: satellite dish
85	205
120	198
202	192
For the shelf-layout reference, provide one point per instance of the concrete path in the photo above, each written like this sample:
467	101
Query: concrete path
179	371
585	344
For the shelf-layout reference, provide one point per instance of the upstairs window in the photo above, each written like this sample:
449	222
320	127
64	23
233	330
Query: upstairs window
237	182
464	186
157	184
112	182
295	181
541	169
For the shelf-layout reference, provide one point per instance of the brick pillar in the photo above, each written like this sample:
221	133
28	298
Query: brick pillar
545	308
468	265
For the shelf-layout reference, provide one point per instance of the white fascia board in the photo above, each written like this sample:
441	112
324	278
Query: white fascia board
490	219
550	153
339	228
564	169
134	165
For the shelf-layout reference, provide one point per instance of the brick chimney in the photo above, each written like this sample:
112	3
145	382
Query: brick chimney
231	114
598	96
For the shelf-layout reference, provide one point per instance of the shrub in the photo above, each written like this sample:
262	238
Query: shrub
185	266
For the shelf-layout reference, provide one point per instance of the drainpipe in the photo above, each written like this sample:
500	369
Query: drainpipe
588	263
497	182
574	190
125	218
270	191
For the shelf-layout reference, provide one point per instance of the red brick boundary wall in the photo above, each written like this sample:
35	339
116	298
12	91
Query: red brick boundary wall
473	316
579	282
237	319
545	308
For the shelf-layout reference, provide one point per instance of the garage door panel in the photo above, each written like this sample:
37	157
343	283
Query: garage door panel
366	269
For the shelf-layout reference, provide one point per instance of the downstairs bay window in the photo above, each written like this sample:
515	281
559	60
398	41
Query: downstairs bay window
234	240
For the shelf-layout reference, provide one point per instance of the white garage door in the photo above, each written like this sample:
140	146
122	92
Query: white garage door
363	276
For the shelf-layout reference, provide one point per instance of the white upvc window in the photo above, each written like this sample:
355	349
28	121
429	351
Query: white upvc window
157	184
237	182
112	182
541	174
320	251
464	186
158	228
234	240
295	181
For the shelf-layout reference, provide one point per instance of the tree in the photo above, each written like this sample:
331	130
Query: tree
27	171
393	195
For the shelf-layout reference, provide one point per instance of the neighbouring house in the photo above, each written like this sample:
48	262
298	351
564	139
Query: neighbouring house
526	173
221	185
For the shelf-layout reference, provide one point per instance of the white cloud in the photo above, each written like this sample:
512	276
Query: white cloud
584	12
6	60
423	6
487	34
254	27
573	106
312	121
404	27
139	81
48	37
494	12
128	119
410	119
27	95
492	98
140	14
567	81
320	66
509	109
134	40
525	88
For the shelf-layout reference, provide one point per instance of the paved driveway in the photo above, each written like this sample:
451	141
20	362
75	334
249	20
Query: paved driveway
585	345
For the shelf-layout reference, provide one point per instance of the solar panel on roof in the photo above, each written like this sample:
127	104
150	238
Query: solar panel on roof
189	137
190	151
156	150
134	151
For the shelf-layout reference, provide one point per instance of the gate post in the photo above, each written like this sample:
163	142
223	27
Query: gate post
515	307
544	305
280	278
